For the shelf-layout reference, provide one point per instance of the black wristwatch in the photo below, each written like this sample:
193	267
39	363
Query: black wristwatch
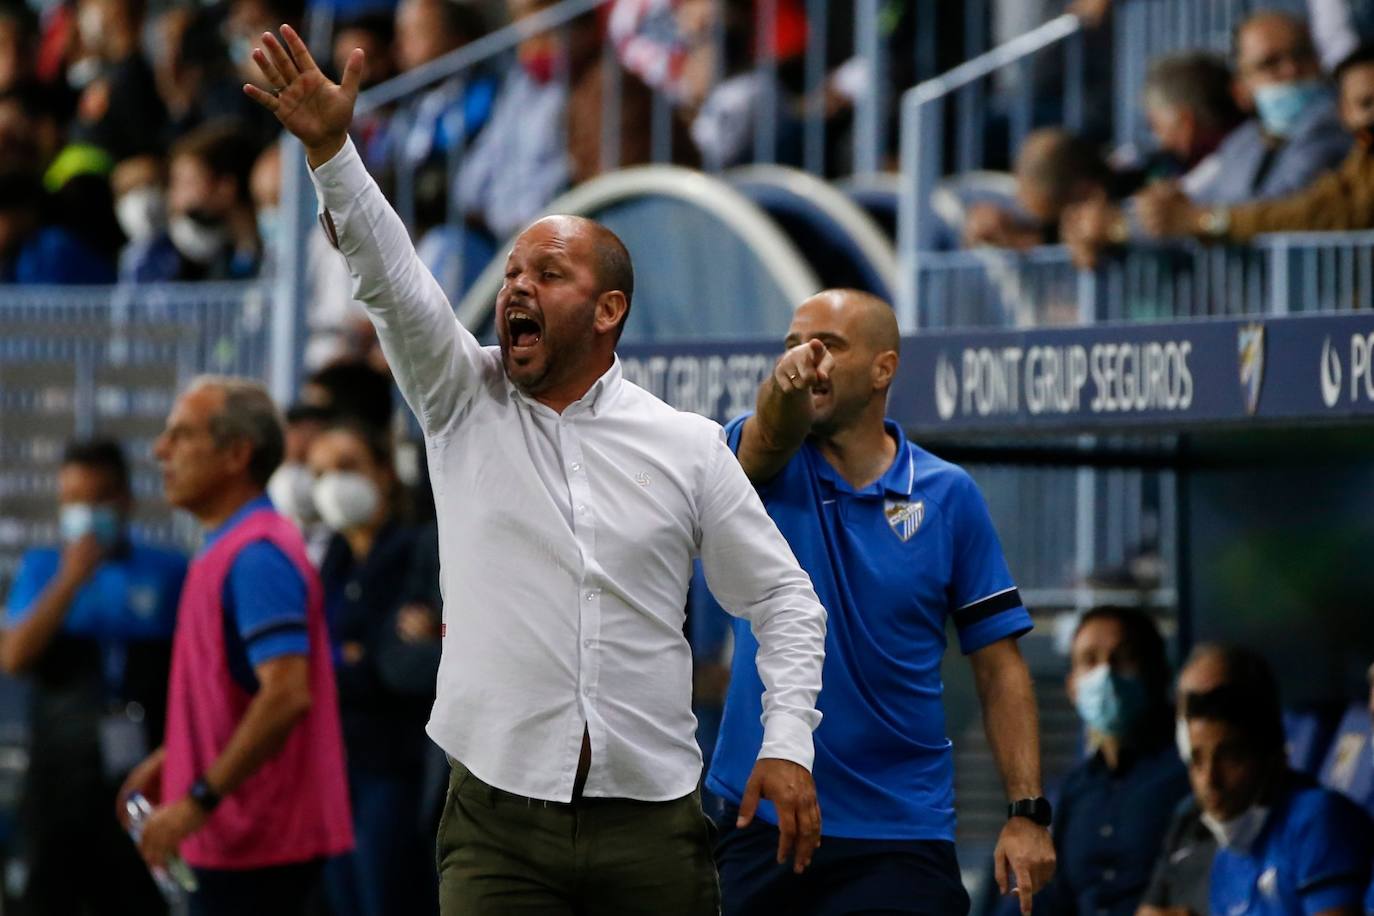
206	798
1036	810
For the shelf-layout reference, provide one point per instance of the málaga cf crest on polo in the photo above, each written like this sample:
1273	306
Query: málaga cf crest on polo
905	517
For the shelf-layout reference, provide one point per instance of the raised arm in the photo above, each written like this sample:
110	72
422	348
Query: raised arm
436	362
783	415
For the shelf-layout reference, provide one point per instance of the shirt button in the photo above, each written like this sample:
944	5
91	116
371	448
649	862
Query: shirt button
1109	874
587	643
581	508
576	466
591	596
353	591
1107	830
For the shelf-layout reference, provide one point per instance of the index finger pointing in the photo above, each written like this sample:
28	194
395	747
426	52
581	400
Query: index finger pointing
299	51
1025	889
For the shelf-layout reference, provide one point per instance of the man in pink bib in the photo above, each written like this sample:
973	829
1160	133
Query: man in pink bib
250	780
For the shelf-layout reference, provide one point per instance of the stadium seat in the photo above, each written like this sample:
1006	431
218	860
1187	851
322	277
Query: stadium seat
1309	734
1349	765
845	246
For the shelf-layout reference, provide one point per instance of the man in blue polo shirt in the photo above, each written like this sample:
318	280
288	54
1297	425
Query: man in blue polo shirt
89	625
1286	846
897	542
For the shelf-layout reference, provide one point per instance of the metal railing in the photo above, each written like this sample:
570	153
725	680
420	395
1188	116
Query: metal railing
1277	275
922	126
80	361
792	125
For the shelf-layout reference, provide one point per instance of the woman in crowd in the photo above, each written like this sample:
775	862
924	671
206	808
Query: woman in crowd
364	573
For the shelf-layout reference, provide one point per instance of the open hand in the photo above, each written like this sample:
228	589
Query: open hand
306	102
793	793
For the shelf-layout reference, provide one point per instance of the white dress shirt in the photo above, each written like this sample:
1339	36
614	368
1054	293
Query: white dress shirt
566	544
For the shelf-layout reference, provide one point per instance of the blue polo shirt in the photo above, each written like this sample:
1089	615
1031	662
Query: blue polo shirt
264	603
132	595
1313	855
892	564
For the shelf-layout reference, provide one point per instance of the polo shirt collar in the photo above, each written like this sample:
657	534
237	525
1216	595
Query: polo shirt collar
897	482
254	504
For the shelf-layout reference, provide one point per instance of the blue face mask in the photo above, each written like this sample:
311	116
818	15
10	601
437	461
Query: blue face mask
1281	106
76	520
1110	704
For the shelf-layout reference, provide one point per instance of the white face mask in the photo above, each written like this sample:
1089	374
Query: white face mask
1240	832
198	242
346	499
1182	741
292	491
142	212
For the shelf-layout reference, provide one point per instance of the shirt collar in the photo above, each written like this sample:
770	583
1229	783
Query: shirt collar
242	512
898	481
597	398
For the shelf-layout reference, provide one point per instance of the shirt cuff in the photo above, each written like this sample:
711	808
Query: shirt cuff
341	179
786	737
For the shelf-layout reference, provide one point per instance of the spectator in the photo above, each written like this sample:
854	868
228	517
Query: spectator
1114	807
203	76
1190	108
250	782
365	573
32	128
1285	846
1295	134
292	485
1054	171
211	224
375	34
1181	882
448	116
519	162
119	109
351	388
1296	138
34	247
18	38
139	184
1341	199
332	316
90	624
588	73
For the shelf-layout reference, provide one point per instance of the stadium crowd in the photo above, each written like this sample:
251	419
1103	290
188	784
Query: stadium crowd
120	165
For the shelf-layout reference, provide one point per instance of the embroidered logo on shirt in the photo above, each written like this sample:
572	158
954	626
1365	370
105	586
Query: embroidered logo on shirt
643	479
905	518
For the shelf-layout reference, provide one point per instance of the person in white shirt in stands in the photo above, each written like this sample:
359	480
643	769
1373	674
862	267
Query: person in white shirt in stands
571	504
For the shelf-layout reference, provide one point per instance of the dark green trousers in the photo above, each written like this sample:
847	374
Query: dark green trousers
498	854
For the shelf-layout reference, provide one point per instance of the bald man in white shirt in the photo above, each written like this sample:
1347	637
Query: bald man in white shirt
564	692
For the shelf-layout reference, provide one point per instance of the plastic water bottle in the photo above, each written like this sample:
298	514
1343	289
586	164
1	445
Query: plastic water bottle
176	880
